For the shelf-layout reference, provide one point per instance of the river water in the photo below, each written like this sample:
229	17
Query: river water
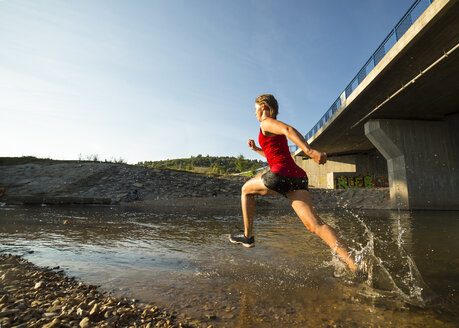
184	263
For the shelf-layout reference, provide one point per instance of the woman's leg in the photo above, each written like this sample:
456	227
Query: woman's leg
251	188
304	207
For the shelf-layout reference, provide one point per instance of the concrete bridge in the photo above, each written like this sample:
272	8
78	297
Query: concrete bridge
399	117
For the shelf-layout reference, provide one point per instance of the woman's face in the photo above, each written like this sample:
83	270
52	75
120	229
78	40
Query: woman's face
259	111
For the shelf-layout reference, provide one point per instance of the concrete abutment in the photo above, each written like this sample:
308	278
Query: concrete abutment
422	161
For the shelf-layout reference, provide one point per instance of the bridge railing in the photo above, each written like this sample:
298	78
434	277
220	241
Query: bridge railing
416	10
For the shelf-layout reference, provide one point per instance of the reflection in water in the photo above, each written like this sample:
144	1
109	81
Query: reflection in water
186	264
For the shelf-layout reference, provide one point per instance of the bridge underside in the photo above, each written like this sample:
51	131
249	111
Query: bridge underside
414	126
433	96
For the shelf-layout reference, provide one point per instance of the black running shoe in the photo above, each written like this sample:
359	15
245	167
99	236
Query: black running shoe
241	239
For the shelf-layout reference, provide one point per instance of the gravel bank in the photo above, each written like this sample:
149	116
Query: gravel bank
108	183
116	182
31	296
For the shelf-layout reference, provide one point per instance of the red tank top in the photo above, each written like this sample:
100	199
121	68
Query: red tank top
278	155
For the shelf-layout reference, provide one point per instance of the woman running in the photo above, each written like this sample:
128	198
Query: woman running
284	178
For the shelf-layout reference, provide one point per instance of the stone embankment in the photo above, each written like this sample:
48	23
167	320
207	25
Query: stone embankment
102	183
108	183
31	296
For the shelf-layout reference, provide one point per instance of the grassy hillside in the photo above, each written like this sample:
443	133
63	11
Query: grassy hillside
208	164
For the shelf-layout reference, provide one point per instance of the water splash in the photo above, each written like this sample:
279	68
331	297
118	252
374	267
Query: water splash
381	280
418	289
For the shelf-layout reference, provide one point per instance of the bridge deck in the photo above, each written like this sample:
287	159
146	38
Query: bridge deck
432	97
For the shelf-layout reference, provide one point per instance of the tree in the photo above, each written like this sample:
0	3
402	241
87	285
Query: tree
240	163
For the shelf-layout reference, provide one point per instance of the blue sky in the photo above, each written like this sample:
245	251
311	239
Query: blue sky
151	80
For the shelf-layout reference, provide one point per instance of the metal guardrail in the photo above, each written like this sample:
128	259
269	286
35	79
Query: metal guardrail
416	10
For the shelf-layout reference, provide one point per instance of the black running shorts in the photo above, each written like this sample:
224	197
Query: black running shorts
282	184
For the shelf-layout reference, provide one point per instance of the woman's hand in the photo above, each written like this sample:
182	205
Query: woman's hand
318	157
252	145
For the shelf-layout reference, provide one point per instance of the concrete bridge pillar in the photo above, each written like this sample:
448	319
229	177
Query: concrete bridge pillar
422	161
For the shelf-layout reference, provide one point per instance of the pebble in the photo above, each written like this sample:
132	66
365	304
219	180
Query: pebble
228	316
84	323
39	284
49	314
53	308
80	312
94	310
55	323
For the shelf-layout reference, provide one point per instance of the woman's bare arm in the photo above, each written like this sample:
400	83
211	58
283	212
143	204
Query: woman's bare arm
254	147
277	127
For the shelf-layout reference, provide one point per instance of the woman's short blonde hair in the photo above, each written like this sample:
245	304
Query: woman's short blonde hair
270	102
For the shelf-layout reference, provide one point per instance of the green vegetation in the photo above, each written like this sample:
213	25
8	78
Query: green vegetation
95	158
209	165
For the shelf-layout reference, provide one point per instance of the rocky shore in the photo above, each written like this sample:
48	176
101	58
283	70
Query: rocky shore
108	183
31	296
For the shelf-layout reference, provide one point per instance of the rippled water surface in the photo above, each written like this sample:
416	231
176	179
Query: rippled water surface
186	264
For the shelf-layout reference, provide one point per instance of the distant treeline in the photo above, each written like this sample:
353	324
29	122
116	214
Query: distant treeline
209	164
81	158
23	160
